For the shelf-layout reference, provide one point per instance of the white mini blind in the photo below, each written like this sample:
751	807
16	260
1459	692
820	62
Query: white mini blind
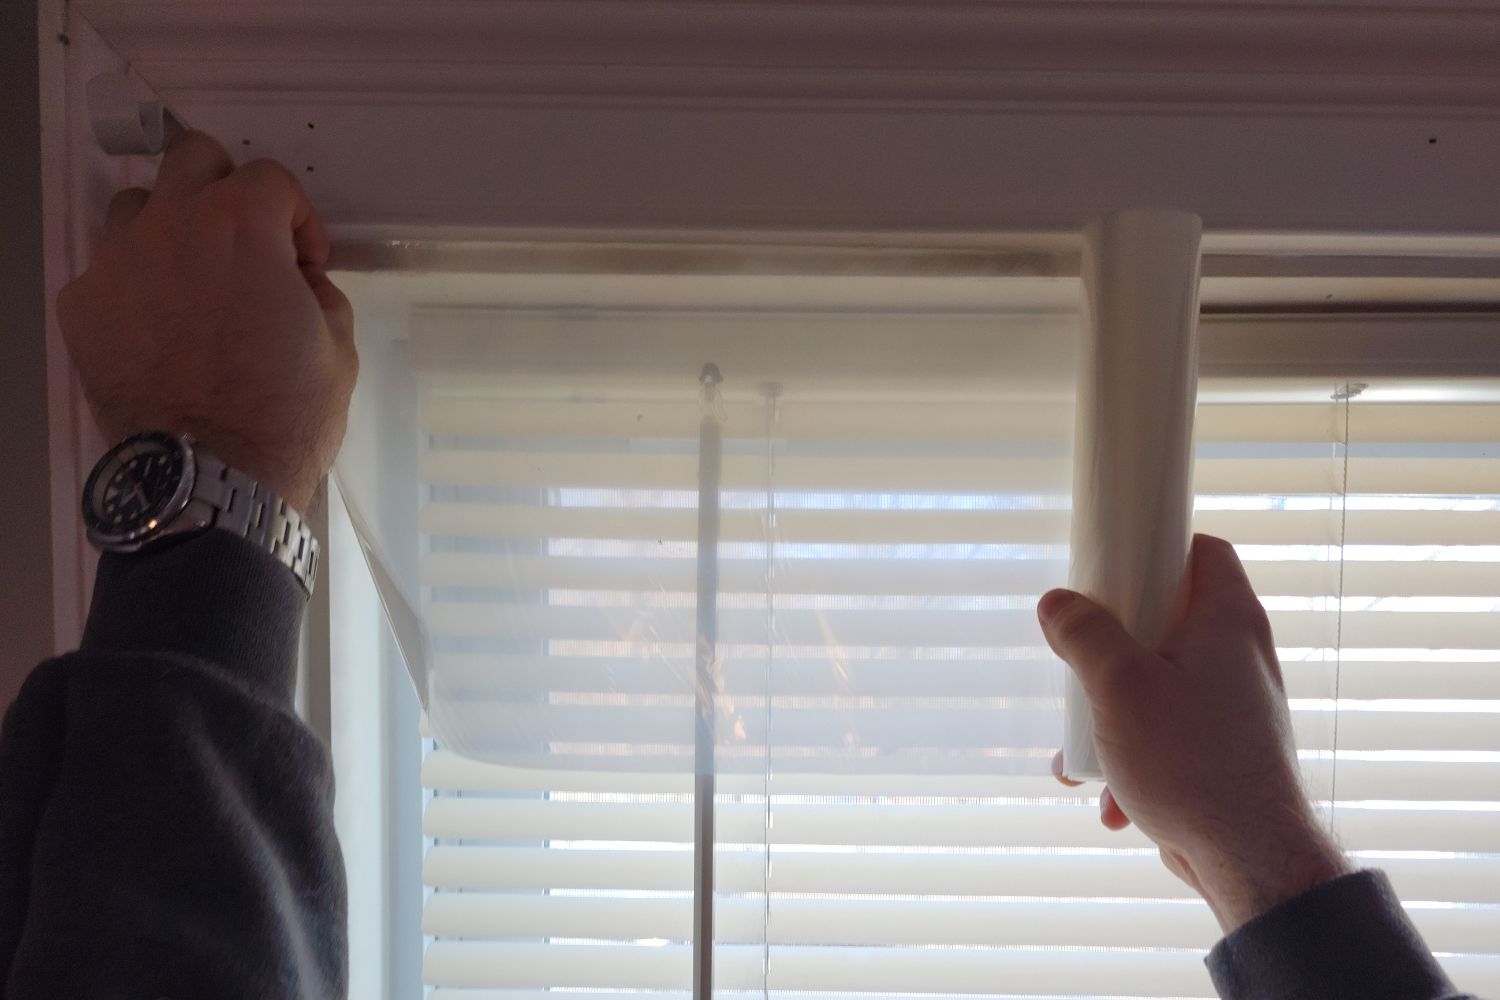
883	544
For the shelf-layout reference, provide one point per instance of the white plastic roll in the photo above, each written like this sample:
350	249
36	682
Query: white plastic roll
1133	464
128	120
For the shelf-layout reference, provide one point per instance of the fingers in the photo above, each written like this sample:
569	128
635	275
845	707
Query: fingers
1216	569
264	191
336	309
193	162
1086	636
1110	813
1221	602
1057	771
123	207
311	241
279	199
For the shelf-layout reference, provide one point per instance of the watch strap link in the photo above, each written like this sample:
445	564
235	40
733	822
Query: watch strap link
246	508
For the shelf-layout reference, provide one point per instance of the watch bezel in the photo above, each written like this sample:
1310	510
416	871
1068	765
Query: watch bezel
134	538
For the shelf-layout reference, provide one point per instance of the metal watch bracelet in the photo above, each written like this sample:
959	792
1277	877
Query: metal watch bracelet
244	507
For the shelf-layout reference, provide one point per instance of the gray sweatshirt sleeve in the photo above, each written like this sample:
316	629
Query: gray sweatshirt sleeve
165	819
1347	939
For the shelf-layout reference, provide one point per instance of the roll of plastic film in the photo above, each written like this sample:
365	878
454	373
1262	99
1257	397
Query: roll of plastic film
126	122
1133	464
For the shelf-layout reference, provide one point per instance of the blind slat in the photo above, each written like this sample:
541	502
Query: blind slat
749	576
1357	779
1035	872
936	576
643	417
927	473
986	826
1030	669
744	674
957	730
653	470
859	921
959	526
897	627
1412	680
997	419
841	969
885	922
1145	974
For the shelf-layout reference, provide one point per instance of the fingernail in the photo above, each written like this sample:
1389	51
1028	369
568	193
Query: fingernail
1052	604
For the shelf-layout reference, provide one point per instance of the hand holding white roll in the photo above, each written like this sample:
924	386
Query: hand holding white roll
1133	465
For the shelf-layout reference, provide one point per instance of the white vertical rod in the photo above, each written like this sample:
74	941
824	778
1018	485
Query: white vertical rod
772	393
1133	454
705	686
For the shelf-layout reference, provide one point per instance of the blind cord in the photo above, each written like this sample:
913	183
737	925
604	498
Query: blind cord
772	392
1343	394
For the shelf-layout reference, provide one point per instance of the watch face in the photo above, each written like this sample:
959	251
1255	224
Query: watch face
136	488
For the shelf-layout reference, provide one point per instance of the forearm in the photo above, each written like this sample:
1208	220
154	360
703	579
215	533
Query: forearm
167	817
1243	873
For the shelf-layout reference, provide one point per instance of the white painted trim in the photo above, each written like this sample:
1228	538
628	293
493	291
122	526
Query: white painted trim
1374	346
314	693
1235	55
1319	244
552	169
78	180
1009	255
361	734
72	563
67	600
978	117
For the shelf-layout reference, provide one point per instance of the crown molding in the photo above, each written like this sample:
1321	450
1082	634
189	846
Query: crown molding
1249	56
850	116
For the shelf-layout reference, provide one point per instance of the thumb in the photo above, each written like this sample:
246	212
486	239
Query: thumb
1090	639
335	305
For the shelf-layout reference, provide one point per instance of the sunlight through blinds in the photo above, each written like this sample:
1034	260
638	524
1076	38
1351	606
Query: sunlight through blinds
889	512
862	534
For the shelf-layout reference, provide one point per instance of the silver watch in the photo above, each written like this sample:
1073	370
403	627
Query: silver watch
156	485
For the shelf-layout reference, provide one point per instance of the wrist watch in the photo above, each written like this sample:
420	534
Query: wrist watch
157	485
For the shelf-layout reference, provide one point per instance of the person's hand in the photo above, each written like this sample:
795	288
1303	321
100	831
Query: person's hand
1195	739
206	311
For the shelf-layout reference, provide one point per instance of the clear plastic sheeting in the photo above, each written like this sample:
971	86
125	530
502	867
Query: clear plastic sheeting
893	497
527	450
